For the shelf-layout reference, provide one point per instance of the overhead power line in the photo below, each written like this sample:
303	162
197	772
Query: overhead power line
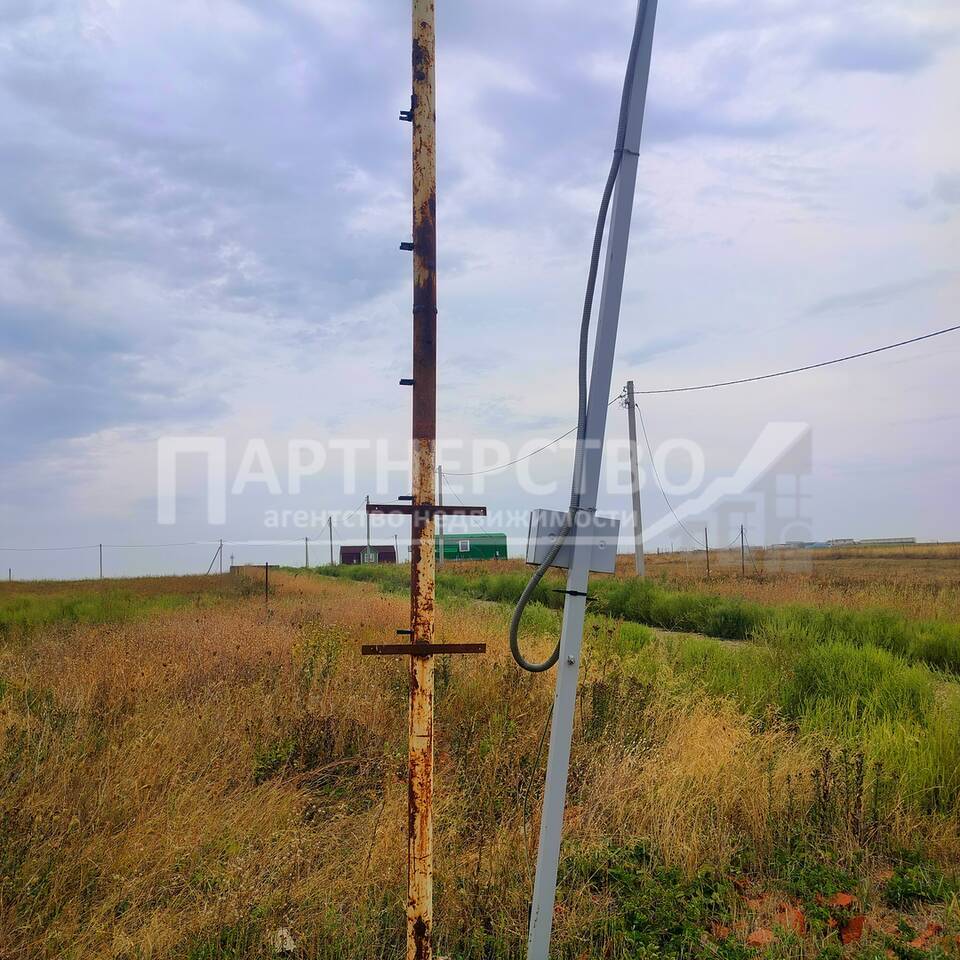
533	453
710	386
663	493
810	366
446	483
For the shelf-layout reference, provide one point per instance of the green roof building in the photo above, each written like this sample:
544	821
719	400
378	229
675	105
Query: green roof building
473	546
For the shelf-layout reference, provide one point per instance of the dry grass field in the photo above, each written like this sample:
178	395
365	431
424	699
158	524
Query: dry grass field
921	580
187	769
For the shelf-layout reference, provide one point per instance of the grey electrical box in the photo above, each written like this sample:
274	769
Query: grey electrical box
602	532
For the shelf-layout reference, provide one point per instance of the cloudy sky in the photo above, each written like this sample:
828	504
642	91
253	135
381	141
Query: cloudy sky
201	204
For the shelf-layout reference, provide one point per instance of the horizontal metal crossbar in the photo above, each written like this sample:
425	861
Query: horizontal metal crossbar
419	649
427	509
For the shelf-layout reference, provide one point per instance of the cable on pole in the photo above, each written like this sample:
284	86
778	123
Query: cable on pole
573	511
663	493
446	483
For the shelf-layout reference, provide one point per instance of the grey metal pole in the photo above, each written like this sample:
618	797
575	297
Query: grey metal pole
635	479
368	523
571	639
220	552
440	515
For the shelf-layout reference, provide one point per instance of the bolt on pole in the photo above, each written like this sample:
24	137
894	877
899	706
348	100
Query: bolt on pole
424	433
635	479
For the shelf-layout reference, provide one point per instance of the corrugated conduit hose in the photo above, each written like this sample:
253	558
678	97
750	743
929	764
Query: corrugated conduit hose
573	511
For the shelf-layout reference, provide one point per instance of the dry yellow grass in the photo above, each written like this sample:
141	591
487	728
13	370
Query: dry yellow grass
135	822
175	777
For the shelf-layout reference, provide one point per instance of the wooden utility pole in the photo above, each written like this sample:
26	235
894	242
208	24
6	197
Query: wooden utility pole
423	506
101	561
706	547
306	553
220	554
330	527
631	406
743	562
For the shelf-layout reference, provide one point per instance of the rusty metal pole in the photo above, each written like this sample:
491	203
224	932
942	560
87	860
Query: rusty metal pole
423	563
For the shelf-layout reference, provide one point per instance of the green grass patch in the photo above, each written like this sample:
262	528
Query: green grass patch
656	911
919	883
27	613
652	603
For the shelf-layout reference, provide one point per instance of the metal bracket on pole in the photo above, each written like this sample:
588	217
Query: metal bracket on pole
587	485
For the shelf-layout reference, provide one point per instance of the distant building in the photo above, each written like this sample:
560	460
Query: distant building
377	553
820	544
888	542
473	546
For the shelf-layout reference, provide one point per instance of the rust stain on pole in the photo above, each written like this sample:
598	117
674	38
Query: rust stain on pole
423	571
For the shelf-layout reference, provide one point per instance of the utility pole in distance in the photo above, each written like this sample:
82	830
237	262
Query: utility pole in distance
635	479
440	517
220	554
368	522
743	562
101	561
306	553
706	547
